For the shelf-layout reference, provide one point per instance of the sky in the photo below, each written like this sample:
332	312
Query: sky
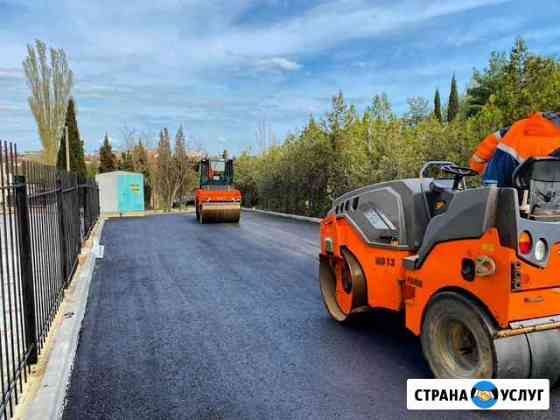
222	68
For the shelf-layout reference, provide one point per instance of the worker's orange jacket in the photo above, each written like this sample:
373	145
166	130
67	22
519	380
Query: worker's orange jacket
486	150
538	135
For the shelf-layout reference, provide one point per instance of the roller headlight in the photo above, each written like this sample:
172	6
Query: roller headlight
541	249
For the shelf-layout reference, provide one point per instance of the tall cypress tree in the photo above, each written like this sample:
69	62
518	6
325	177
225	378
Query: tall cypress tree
437	106
76	146
453	105
107	161
141	164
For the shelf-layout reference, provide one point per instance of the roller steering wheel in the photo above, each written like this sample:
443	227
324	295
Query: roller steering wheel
458	172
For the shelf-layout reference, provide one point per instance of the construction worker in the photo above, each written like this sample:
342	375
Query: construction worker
500	153
486	150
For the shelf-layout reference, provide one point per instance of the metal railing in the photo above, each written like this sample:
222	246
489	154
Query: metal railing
45	215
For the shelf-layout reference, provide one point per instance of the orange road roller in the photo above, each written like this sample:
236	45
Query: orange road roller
476	271
217	200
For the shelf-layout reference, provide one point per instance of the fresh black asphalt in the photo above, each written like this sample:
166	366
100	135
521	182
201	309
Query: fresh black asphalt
226	321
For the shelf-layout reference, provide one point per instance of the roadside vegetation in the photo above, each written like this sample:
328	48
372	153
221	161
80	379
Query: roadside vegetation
169	169
346	149
343	149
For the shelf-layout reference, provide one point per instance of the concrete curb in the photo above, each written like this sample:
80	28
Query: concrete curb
285	215
48	403
116	215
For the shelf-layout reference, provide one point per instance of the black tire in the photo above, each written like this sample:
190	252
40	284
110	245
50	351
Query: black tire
457	338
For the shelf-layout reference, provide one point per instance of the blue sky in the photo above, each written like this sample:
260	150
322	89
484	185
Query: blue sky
220	67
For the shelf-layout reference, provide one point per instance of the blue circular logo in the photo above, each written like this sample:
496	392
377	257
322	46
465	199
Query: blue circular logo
484	394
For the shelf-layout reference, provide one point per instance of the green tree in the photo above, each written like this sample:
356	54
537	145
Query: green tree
453	104
126	162
380	108
107	159
246	177
165	171
50	82
418	110
437	106
184	174
344	149
511	87
75	143
485	83
336	125
92	166
142	165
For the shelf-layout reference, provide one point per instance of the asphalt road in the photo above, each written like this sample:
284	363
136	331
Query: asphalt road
226	321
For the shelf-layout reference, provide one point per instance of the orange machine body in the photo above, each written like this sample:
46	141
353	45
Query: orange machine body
203	195
390	285
474	270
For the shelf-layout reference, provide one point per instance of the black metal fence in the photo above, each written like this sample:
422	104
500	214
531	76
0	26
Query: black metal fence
45	215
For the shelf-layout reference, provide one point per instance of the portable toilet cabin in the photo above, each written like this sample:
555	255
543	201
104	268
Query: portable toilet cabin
120	192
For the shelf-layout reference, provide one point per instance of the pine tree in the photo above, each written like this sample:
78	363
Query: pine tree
164	171
380	108
126	162
106	156
418	110
77	160
518	57
437	107
453	105
184	174
141	164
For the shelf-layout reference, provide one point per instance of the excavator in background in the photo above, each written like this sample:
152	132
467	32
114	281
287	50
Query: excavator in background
216	199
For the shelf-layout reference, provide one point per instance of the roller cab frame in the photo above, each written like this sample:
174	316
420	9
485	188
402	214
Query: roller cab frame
476	271
217	200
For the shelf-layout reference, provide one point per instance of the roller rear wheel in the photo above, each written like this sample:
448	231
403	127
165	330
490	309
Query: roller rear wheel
457	339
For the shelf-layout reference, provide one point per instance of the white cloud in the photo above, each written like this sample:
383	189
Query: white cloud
216	66
277	63
330	24
11	72
211	35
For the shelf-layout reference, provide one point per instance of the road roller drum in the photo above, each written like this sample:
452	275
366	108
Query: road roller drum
219	213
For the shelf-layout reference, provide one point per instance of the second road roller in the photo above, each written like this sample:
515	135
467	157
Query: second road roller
475	270
216	199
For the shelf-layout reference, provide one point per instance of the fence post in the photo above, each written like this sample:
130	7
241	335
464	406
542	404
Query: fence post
26	268
62	231
84	200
